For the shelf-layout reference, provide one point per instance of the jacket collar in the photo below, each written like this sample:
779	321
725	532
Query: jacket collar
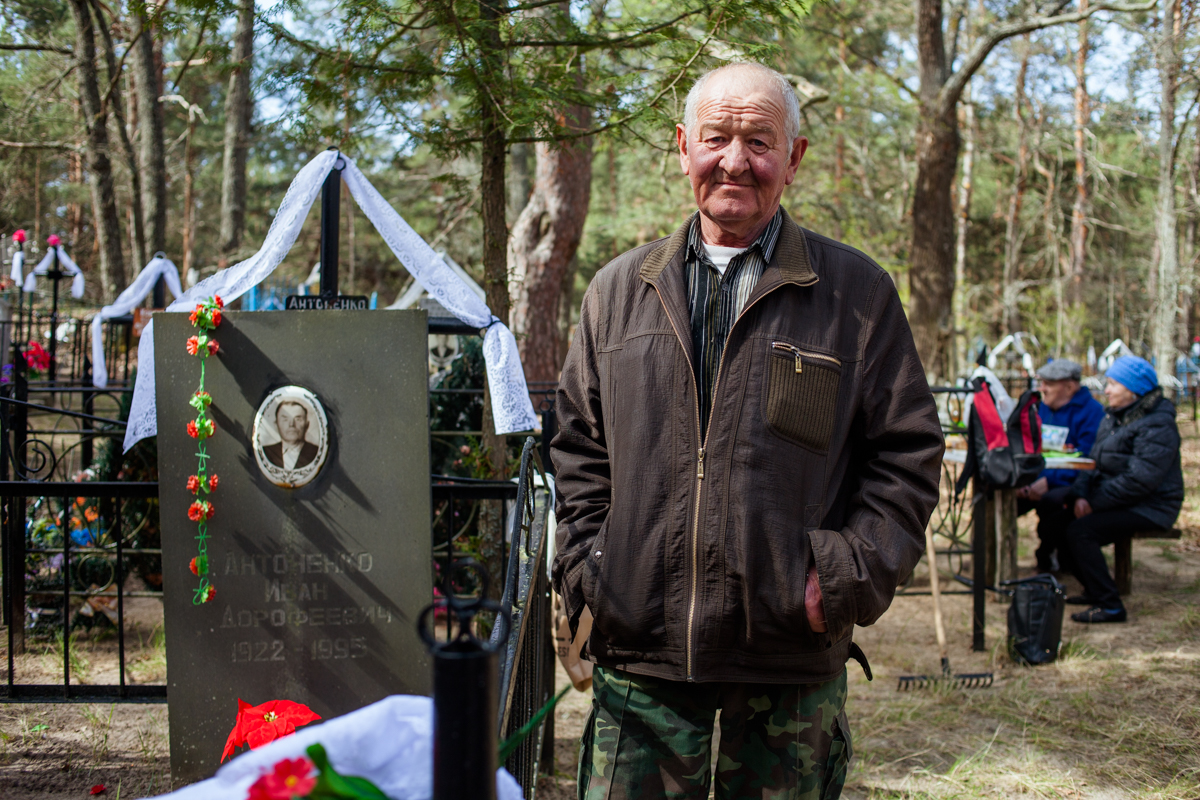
790	262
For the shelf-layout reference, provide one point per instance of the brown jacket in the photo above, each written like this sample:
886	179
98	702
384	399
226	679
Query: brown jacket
823	446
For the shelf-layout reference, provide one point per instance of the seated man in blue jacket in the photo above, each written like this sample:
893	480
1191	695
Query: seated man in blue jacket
1068	404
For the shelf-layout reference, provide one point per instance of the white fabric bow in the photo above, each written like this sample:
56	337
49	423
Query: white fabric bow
511	407
68	266
130	299
17	264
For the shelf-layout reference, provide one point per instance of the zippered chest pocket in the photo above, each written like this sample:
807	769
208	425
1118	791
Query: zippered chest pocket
802	390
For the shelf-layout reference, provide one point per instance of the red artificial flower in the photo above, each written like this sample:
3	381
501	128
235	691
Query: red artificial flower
213	347
212	483
201	509
292	777
205	397
193	484
193	345
192	430
100	788
216	317
217	299
209	593
258	725
194	566
19	236
53	240
195	315
90	514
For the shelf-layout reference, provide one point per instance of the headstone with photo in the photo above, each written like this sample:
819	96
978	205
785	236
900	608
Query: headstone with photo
319	548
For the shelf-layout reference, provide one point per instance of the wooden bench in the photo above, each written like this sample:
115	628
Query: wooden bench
1123	556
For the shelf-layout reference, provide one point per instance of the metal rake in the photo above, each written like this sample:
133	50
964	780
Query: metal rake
969	680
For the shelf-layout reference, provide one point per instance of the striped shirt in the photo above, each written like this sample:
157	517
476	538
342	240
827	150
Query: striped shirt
716	300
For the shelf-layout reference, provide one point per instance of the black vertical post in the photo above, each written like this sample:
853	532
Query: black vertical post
549	430
86	452
55	276
982	494
331	194
15	550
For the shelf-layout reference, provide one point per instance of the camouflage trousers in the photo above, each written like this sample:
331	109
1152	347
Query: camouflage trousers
649	738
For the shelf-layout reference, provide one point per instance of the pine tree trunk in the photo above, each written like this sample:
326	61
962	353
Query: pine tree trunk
493	154
1010	288
99	168
1080	209
931	273
153	155
958	350
239	110
137	226
543	245
1167	296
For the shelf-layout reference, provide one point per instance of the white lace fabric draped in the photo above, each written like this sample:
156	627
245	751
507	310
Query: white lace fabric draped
127	301
511	407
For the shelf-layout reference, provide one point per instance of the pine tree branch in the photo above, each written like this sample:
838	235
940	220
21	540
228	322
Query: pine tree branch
39	145
48	48
947	98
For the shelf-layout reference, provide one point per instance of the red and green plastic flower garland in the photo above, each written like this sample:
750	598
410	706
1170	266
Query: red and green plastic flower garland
205	319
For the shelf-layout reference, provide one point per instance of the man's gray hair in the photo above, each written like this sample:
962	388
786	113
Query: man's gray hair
791	103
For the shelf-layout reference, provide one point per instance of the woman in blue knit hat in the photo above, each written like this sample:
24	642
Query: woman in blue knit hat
1137	484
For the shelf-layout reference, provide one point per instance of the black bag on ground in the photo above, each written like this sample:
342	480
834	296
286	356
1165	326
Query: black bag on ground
1005	454
1035	619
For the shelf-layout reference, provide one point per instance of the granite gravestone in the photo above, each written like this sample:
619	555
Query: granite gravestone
320	541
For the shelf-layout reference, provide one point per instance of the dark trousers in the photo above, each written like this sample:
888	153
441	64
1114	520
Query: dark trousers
1081	539
1052	522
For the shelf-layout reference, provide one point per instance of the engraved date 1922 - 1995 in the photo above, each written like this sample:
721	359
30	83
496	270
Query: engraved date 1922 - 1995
319	650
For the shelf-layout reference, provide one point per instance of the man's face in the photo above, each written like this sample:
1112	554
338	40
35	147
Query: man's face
292	421
737	155
1057	394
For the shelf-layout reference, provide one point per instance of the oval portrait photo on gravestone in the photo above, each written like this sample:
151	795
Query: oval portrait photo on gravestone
291	437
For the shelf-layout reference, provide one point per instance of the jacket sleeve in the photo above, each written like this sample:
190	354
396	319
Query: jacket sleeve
895	475
583	483
1155	445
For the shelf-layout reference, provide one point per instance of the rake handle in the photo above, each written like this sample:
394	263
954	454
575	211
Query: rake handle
936	591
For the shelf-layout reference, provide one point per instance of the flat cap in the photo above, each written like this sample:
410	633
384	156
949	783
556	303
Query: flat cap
1061	369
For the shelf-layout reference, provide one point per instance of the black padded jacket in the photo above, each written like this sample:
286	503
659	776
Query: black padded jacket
1138	465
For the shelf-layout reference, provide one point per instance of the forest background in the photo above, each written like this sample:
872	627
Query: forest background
1016	166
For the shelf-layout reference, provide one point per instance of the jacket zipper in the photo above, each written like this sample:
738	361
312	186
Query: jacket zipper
797	352
687	657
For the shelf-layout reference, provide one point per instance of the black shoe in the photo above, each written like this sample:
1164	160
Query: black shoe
1098	614
1079	600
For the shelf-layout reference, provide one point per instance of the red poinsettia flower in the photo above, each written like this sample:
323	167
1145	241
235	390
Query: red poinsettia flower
212	483
53	240
292	777
19	236
217	299
193	484
216	317
258	725
193	345
213	347
193	431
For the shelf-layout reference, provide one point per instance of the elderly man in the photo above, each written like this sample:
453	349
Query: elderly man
294	451
1068	404
747	459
